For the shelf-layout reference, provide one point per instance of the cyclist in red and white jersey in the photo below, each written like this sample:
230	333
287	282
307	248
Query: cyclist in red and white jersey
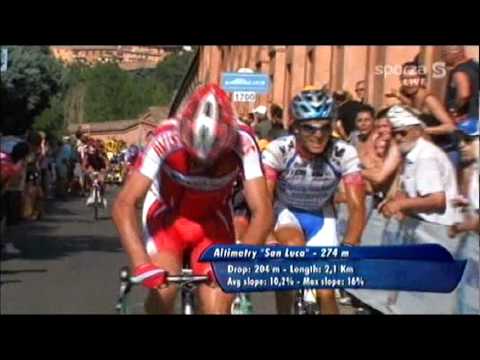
186	175
95	162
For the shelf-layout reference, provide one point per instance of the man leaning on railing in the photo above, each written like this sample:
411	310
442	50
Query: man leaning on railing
428	179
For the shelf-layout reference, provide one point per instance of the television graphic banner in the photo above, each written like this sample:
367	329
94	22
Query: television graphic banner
423	268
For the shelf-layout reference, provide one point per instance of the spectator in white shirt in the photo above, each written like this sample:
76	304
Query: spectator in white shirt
428	178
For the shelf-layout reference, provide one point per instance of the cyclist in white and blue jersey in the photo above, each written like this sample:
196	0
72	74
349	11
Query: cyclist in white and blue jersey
303	172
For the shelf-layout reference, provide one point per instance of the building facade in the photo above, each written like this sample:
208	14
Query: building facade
128	57
291	68
131	131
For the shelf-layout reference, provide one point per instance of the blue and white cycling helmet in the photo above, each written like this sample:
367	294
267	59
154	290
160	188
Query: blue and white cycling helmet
469	127
312	104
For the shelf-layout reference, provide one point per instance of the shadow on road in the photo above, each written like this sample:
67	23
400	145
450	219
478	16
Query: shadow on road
60	233
50	247
67	227
9	272
102	218
56	221
59	208
2	282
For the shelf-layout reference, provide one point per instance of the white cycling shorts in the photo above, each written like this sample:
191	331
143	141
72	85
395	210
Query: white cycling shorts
320	229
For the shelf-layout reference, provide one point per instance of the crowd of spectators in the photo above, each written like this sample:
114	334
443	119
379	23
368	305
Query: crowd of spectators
419	155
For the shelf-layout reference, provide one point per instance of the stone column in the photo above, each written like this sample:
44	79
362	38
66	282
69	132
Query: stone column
278	74
299	55
263	67
374	78
322	57
215	65
336	68
354	67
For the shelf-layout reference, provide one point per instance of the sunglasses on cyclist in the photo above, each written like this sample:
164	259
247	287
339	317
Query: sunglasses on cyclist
311	129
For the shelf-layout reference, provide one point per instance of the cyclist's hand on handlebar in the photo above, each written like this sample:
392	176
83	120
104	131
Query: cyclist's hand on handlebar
150	276
212	281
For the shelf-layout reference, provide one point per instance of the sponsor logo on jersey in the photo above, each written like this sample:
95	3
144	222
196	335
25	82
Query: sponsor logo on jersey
164	143
201	183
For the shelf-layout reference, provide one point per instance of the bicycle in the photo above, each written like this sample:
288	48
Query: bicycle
242	305
306	303
187	281
97	194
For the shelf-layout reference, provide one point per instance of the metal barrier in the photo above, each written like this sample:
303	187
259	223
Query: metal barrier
465	299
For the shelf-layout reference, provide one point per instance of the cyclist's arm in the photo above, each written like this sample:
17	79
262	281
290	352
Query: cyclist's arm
272	166
355	197
256	195
271	187
124	214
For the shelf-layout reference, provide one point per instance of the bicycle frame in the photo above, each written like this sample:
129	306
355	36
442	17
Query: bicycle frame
95	187
96	197
303	307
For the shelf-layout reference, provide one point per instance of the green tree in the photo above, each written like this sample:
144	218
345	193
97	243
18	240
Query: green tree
52	119
105	92
32	78
112	93
171	71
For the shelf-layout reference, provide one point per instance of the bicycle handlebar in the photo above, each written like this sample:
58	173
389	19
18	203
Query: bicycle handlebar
186	277
179	279
184	280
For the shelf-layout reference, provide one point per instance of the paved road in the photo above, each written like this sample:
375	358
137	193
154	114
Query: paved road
68	264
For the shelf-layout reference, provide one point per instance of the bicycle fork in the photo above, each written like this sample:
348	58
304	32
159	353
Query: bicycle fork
188	304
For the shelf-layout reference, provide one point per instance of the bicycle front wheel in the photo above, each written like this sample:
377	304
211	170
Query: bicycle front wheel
95	204
188	307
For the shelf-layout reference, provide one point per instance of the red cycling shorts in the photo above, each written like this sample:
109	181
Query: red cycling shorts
170	232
